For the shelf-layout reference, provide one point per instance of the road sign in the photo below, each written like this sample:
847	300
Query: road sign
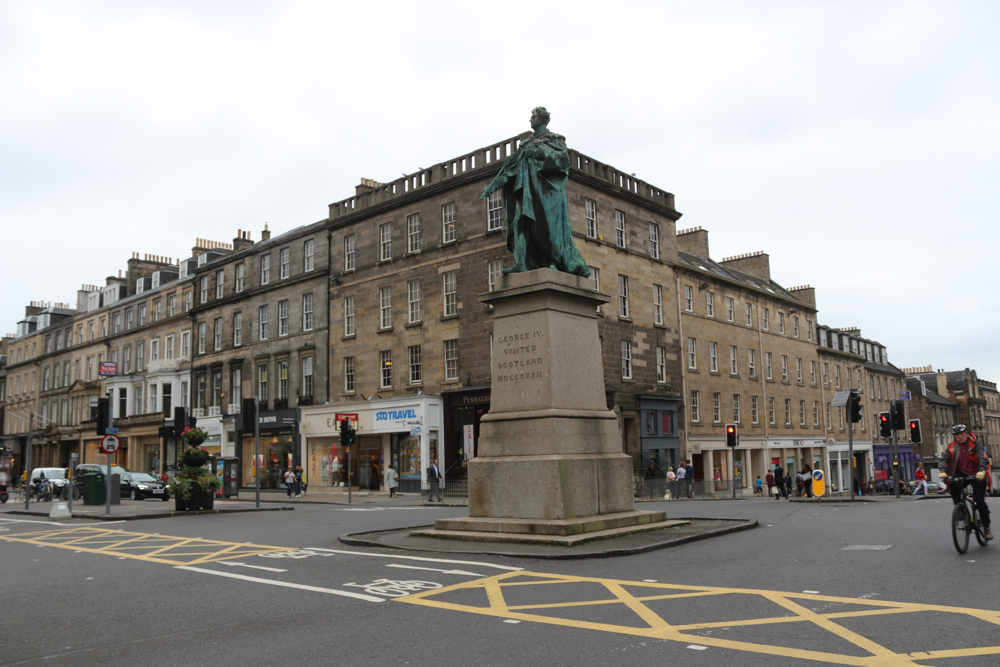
110	444
111	431
819	482
905	395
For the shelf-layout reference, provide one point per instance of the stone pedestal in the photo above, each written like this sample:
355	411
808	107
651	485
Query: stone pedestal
549	449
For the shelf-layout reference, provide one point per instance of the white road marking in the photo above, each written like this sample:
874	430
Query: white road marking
302	587
434	569
47	523
256	567
697	648
426	560
811	592
511	620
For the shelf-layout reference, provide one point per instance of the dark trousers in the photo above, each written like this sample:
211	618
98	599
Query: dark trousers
435	490
978	497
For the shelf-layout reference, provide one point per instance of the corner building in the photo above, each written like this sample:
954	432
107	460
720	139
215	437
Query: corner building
410	260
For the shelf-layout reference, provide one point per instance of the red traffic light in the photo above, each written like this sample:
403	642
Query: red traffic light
730	429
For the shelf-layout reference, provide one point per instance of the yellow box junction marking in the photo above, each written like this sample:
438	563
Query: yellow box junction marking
165	549
633	596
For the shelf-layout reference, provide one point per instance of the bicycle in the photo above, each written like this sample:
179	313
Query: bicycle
965	517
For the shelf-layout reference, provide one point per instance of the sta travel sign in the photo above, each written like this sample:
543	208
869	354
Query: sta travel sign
399	419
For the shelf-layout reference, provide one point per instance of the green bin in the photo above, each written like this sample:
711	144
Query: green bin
93	489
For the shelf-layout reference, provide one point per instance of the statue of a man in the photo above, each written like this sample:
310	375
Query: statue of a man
534	201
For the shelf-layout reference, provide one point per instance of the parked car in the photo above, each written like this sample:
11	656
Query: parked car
140	485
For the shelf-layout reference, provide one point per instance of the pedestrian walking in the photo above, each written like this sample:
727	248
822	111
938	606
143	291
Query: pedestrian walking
789	482
434	478
689	479
391	479
759	491
300	484
290	482
671	483
769	479
921	477
779	481
681	483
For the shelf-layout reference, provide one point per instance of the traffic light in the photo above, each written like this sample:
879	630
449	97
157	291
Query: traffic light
915	430
346	434
732	439
898	413
854	408
248	411
103	416
180	420
885	427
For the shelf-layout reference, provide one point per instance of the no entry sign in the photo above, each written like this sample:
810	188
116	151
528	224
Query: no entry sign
110	444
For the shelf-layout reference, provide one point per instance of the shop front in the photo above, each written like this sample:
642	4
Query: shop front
463	410
276	453
839	468
402	432
882	464
659	439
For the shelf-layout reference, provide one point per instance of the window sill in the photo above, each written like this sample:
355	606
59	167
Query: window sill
383	331
349	337
445	318
414	325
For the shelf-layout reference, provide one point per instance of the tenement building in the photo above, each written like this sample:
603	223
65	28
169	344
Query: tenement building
411	342
849	361
976	405
259	330
749	350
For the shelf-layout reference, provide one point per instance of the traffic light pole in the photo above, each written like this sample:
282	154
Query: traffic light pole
895	464
26	485
850	455
107	482
256	448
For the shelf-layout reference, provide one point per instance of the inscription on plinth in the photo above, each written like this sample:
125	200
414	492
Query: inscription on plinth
520	357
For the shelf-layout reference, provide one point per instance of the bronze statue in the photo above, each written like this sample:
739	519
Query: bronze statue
534	201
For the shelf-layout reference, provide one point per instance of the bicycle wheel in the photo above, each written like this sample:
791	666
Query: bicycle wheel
960	527
978	527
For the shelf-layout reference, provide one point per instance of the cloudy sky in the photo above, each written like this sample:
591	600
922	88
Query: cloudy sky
858	143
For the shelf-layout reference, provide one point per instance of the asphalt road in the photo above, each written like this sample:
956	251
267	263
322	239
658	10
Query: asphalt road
279	588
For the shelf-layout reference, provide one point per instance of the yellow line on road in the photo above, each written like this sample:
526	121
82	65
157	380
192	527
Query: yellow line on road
166	549
629	595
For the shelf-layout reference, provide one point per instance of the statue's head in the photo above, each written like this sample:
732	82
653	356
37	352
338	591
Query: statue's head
539	117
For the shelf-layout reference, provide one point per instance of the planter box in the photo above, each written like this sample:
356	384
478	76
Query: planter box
200	500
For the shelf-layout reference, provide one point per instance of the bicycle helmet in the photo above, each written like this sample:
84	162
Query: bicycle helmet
959	428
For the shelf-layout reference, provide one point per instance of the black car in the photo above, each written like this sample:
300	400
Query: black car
140	485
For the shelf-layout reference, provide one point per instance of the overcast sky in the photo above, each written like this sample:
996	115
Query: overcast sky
858	143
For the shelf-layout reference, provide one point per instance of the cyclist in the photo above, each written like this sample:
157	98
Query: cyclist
965	456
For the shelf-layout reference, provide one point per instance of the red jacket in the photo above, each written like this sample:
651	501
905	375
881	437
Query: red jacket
949	458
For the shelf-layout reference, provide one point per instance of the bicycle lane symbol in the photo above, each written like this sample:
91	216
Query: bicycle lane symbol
395	588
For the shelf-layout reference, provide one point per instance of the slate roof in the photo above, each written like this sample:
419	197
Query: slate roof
705	265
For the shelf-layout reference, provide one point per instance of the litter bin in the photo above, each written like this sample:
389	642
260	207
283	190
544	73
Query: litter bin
93	488
94	492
